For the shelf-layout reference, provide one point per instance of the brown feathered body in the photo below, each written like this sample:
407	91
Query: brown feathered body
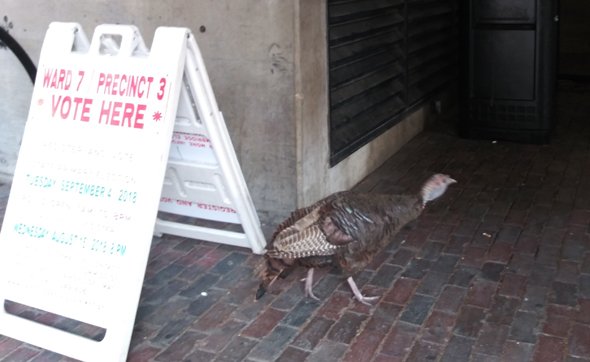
345	229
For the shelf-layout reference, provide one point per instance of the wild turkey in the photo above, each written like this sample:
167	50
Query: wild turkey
345	229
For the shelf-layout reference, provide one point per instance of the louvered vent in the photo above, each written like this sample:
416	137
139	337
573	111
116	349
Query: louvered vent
385	56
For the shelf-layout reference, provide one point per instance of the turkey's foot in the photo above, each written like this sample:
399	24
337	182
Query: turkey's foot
357	294
309	284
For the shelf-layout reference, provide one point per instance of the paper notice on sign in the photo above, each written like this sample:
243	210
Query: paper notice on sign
192	148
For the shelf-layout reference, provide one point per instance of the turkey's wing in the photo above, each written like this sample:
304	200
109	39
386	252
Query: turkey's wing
302	212
349	220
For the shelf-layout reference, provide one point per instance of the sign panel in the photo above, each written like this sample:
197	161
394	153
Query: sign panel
192	150
79	220
203	178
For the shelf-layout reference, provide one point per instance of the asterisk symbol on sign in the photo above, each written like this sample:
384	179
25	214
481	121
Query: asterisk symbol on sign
157	116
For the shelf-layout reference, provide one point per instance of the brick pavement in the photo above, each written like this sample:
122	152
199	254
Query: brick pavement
496	270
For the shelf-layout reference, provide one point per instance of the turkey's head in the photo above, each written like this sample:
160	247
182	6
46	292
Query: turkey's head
435	186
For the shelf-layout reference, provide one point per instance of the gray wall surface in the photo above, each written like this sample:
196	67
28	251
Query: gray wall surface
15	95
248	51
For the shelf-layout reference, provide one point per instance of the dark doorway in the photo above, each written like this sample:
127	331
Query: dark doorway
574	40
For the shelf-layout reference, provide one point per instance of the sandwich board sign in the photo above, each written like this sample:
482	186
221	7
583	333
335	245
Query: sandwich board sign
87	187
203	178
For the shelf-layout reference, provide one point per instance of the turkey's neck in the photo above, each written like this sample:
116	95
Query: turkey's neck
402	207
401	211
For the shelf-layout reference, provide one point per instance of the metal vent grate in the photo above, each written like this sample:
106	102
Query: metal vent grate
385	56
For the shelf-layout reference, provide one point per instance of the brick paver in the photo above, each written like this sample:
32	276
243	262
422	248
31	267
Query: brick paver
496	270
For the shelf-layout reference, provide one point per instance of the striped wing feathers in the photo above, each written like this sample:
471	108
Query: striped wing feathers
302	212
308	242
314	234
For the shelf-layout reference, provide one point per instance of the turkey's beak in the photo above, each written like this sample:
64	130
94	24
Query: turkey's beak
452	181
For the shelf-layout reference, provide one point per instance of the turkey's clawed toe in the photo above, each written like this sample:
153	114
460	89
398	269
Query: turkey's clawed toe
309	285
309	293
357	294
365	300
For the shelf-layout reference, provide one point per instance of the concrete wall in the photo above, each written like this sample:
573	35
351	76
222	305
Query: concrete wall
248	51
267	62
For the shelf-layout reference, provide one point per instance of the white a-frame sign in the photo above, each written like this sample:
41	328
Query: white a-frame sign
203	178
87	187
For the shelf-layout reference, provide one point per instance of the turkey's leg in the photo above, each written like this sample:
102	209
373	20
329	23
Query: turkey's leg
357	294
309	284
